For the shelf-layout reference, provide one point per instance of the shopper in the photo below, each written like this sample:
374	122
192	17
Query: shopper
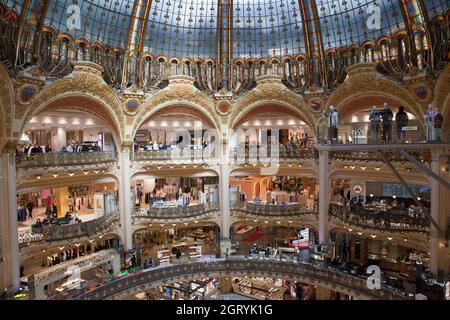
401	121
387	116
30	206
374	118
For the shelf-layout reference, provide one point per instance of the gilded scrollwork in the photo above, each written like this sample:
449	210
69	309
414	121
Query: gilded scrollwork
86	81
270	90
180	91
364	81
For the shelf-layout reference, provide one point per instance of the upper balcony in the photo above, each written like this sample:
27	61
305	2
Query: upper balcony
378	219
172	213
58	232
65	160
290	210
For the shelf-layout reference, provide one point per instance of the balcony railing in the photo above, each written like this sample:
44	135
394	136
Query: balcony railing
394	221
185	155
421	155
69	231
176	212
63	159
309	272
291	209
286	153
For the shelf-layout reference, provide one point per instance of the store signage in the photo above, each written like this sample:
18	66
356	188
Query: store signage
357	188
410	128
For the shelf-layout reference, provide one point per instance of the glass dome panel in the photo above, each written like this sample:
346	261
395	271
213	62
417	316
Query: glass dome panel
436	7
105	21
263	28
346	21
182	28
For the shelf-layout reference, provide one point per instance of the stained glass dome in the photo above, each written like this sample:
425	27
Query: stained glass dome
258	28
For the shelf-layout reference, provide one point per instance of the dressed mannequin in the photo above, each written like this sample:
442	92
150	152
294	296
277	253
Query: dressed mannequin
333	124
438	119
387	116
374	118
321	128
429	123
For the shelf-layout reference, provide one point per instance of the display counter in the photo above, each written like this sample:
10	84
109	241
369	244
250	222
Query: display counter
244	233
258	289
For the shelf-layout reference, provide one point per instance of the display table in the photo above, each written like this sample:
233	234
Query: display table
244	233
281	196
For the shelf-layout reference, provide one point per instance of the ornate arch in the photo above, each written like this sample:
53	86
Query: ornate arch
84	91
365	83
270	91
6	104
442	98
179	94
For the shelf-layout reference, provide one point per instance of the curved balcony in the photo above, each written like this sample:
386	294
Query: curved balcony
374	155
193	211
68	231
63	159
275	210
286	154
301	271
176	156
382	220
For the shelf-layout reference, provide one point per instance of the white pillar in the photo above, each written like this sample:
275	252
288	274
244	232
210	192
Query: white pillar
126	206
324	196
224	189
440	206
59	137
9	245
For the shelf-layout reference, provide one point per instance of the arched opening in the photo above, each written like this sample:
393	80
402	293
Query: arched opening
356	127
67	123
271	125
182	127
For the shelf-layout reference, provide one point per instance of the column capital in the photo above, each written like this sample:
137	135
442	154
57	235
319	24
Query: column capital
9	147
126	146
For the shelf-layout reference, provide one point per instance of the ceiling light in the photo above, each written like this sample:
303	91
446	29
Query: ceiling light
360	233
71	174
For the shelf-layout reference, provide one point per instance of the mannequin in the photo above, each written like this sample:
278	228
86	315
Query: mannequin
321	128
333	123
429	123
387	115
438	119
374	118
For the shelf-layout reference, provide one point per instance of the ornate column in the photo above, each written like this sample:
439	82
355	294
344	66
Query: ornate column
313	41
224	46
125	204
9	245
324	196
440	206
224	189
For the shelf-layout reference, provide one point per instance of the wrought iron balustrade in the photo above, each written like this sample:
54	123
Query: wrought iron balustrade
176	212
184	155
291	209
74	230
383	220
308	272
374	155
63	159
285	153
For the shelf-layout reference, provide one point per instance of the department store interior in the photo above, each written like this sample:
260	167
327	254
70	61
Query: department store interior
264	150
